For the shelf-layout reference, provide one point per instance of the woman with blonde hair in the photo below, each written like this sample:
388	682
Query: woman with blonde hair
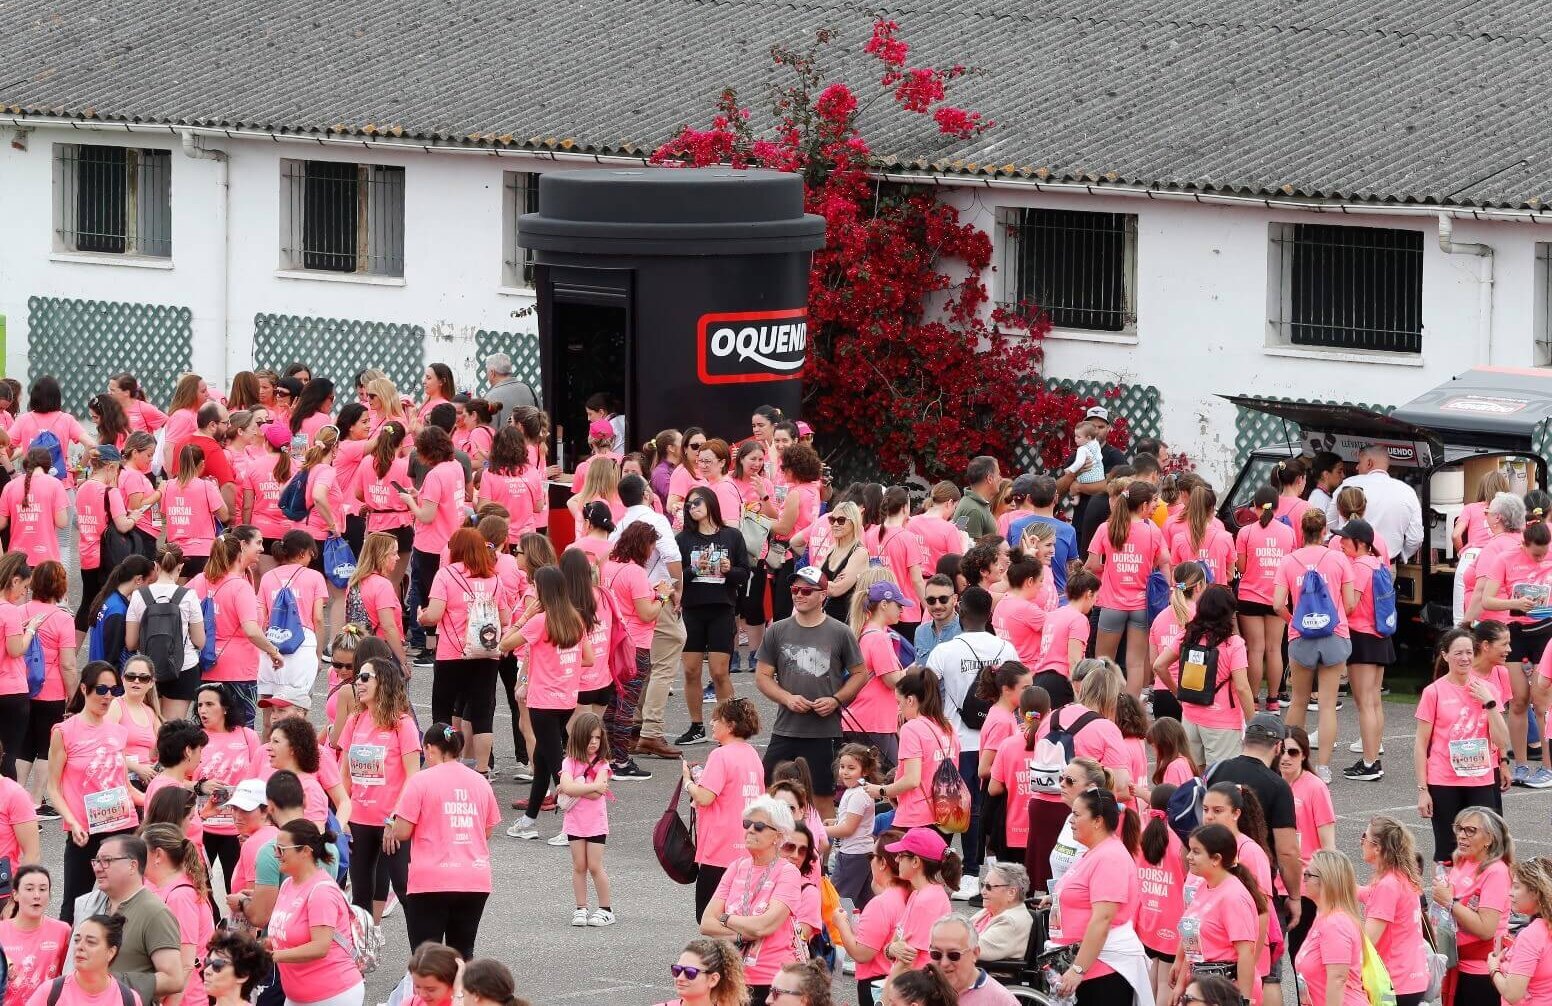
384	404
370	594
1523	973
1393	918
601	483
847	560
1330	963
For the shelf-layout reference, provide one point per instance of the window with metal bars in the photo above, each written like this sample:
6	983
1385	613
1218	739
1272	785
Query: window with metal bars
1543	304
112	200
344	218
1352	288
1079	267
521	196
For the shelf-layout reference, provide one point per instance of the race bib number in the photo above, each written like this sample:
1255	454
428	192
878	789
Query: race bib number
1191	939
109	810
1471	757
368	764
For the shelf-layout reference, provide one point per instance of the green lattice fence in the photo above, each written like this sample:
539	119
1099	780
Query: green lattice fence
1138	404
1257	429
339	348
85	342
1541	441
522	347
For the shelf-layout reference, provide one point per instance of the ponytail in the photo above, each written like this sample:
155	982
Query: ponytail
1034	707
1155	836
1199	511
1265	503
1186	577
182	853
327	439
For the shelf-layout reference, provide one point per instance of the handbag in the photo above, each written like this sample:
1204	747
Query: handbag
756	529
1376	980
674	844
778	553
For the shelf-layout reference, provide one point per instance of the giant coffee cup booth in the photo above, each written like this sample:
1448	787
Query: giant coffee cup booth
682	292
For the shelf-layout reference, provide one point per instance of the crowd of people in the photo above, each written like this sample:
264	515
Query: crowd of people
1104	708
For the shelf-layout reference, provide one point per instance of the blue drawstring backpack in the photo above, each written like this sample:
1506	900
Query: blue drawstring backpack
1315	616
1383	589
1206	570
56	451
905	652
37	670
207	653
285	620
293	498
1158	594
339	562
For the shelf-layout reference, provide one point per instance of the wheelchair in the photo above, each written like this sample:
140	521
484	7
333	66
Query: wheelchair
1028	978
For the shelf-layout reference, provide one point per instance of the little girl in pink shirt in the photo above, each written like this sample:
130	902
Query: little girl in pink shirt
583	795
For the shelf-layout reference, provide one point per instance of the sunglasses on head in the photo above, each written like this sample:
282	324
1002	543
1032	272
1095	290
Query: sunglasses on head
108	689
952	955
758	827
688	972
138	677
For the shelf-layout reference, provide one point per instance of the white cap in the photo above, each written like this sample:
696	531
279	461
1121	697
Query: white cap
249	795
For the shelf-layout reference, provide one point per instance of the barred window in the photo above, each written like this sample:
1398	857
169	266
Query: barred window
1079	267
1352	288
1543	304
112	200
521	196
341	217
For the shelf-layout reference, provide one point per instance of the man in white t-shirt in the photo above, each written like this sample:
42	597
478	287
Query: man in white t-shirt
1391	506
958	664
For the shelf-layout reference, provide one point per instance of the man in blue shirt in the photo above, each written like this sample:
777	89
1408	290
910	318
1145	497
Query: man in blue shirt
1042	495
942	623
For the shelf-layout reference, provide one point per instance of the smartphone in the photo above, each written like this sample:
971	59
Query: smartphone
398	488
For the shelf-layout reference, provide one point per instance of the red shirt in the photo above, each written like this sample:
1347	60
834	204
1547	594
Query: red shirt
217	467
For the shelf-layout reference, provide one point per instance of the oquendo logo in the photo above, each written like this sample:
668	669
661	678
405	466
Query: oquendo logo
742	347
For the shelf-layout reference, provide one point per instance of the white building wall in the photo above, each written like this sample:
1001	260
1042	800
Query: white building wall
1202	279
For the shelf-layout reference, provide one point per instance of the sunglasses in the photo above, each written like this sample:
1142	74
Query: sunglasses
688	972
1292	752
774	992
838	520
944	599
804	591
286	848
1068	780
108	689
137	678
792	848
217	964
340	665
364	677
1467	830
282	393
952	955
1311	875
759	827
696	447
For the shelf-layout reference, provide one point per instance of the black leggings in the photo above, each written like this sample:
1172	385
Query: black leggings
78	875
706	882
549	728
1475	990
367	860
1104	990
223	849
14	710
508	671
1449	801
1410	999
42	717
450	917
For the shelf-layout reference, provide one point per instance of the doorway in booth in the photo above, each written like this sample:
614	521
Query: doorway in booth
588	351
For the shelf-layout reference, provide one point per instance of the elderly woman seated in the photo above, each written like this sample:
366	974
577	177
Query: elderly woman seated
1003	924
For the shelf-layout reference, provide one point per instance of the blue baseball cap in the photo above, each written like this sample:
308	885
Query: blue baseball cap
886	591
108	454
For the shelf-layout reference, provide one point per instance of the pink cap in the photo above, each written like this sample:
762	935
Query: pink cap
599	429
804	430
277	434
924	843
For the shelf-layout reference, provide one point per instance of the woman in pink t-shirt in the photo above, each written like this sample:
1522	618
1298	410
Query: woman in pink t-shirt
639	602
293	747
1372	650
732	778
1098	896
91	983
1124	552
1475	891
381	748
464	675
1523	972
757	898
873	716
1259	548
801	471
1011	776
1330	963
1314	818
1220	928
473	433
927	739
140	498
233	752
378	477
35	508
261	487
447	813
505	482
927	865
310	912
1460	723
1318	655
177	874
1172	761
1236	807
1393	917
1201	536
584	780
97	502
35	945
1209	663
193	506
373	583
45	415
1161	882
142	415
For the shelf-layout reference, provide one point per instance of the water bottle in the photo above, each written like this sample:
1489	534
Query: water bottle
1053	980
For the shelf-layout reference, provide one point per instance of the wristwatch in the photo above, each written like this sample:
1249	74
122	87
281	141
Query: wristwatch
1078	970
1490	705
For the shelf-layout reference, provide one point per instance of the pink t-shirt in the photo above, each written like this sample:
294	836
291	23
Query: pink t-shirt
195	828
597	675
1291	507
72	994
901	550
748	890
1494	547
134	484
1063	627
733	772
1260	551
456	588
596	549
32	517
56	633
1225	712
1178	771
1011	768
307	586
922	739
1530	956
923	909
324	477
589	816
1459	751
229	758
245	874
1001	723
512	492
64	426
1216	919
1361	618
237	659
95	772
375	758
15	808
1517	575
195	926
453	810
347	461
1474	516
1332	566
1022	623
318	901
876	927
95	504
1123	581
1333	939
1100	740
939	537
875	709
1393	900
1160	896
1312	810
443	486
1216	550
377	596
385	509
144	416
190	512
628	582
13	670
554	674
1107	872
34	957
1488	889
679	483
729	501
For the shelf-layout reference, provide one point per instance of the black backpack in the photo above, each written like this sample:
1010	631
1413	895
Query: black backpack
1198	683
57	987
162	633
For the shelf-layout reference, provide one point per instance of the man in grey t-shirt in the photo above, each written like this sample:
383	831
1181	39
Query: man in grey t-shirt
810	666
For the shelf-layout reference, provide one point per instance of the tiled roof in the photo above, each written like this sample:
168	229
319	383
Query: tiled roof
1427	101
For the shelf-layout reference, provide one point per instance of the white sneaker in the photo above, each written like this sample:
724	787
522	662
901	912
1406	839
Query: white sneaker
601	917
523	828
391	904
1324	771
559	841
969	887
1356	747
848	966
522	774
579	917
